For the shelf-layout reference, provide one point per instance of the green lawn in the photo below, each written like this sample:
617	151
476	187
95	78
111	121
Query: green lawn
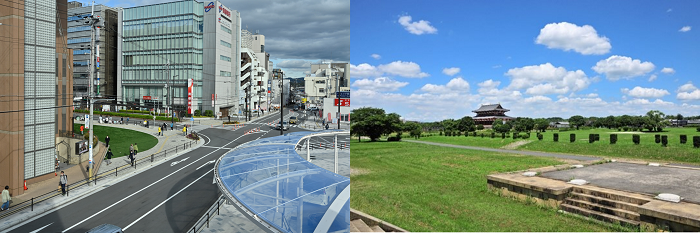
121	139
430	188
624	148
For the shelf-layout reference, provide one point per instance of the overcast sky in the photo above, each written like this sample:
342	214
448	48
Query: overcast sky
297	32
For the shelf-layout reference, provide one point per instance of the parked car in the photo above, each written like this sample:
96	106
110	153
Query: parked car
282	126
292	120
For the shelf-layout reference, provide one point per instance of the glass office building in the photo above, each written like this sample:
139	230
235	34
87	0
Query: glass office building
160	44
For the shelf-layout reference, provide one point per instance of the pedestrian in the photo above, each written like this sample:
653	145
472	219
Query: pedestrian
159	133
109	156
121	120
184	130
127	120
131	154
62	182
136	149
107	140
326	126
171	126
6	198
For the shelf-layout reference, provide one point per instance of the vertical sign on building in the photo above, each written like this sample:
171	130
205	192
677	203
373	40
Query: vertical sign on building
212	100
190	83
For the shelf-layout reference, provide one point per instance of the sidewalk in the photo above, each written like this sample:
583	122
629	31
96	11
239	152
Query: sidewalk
171	139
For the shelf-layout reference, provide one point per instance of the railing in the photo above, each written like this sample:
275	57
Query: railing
70	134
204	220
15	208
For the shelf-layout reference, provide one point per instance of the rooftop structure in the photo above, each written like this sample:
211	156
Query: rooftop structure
488	113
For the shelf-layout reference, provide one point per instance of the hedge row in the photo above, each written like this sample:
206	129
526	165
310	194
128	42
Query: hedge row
119	114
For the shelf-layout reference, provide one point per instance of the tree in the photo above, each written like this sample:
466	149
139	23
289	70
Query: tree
541	124
499	127
367	122
413	128
465	124
577	121
654	120
449	124
392	124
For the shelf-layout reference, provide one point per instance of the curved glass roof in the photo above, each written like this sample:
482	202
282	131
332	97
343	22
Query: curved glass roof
273	182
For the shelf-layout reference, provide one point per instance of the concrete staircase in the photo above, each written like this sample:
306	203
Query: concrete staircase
605	205
358	225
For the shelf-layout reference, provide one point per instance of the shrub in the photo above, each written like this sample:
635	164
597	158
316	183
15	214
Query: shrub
572	137
657	138
591	138
480	127
474	134
635	139
556	137
516	135
503	135
466	134
684	138
448	133
482	135
525	136
613	138
539	136
193	136
197	112
209	113
619	129
697	129
626	128
696	141
597	137
440	133
493	134
664	140
393	139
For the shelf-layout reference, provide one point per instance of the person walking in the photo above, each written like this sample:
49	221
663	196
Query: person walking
121	121
6	198
131	154
107	140
159	133
109	156
326	126
171	126
184	130
136	149
62	182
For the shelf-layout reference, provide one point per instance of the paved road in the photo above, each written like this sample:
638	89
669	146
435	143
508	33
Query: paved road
533	153
166	198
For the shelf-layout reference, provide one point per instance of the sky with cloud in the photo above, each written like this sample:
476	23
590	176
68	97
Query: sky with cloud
429	61
297	32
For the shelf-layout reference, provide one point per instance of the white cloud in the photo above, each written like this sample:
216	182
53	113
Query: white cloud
456	85
641	92
294	64
379	84
657	102
376	56
685	29
546	79
364	70
669	10
667	70
621	67
403	69
653	77
687	87
538	99
567	36
450	71
418	28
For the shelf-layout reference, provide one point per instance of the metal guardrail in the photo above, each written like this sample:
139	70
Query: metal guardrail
204	220
15	208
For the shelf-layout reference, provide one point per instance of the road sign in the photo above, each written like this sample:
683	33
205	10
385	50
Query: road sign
343	94
343	102
192	119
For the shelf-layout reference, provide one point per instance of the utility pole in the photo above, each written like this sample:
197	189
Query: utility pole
337	90
281	105
92	21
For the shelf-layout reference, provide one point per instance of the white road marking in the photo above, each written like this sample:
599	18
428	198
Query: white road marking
210	162
37	230
144	188
214	147
166	200
176	162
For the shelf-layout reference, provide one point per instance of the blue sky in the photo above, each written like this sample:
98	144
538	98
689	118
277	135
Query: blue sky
432	60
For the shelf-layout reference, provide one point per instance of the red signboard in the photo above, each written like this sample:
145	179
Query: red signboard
343	102
190	83
226	12
147	98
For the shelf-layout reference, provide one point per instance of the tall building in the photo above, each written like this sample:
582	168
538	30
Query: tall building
36	77
79	40
255	75
172	43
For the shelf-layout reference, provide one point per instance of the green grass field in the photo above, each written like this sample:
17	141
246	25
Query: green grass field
647	150
121	139
430	188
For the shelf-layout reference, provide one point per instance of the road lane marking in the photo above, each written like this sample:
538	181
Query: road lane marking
213	161
166	200
176	162
37	230
144	188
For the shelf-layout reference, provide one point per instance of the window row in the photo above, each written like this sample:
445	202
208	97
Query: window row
178	26
79	29
130	60
227	44
80	52
225	58
158	44
165	9
224	73
176	75
227	30
79	40
77	17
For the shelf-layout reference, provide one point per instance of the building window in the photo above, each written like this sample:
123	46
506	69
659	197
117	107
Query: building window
225	29
79	40
78	29
320	81
224	73
77	17
80	63
227	44
225	58
80	52
320	90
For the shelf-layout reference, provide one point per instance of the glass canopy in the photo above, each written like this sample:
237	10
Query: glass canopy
276	185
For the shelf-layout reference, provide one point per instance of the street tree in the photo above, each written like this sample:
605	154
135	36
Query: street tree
577	121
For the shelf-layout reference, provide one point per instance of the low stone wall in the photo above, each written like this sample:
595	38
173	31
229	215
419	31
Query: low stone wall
372	221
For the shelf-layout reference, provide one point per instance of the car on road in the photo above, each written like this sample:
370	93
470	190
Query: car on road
292	120
296	108
313	109
282	126
106	228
